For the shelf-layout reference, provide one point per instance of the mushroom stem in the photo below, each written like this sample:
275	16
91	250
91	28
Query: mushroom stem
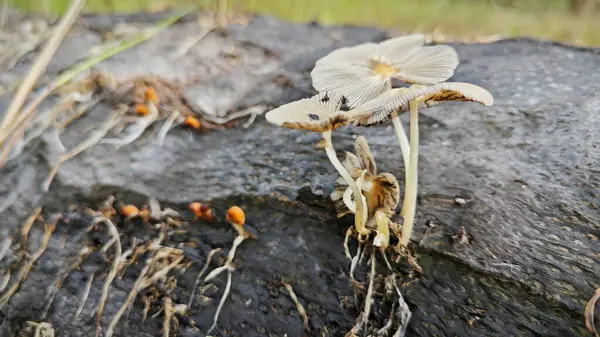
409	204
404	145
360	215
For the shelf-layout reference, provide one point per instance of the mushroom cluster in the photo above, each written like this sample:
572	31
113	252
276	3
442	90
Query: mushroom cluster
354	86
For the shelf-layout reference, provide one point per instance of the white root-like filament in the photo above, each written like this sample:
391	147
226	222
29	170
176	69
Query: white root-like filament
114	233
403	141
409	204
221	302
360	215
84	296
199	276
369	297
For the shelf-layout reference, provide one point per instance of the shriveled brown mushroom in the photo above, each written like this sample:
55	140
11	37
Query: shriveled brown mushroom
381	191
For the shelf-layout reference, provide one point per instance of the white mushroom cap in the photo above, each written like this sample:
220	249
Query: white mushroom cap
365	71
320	113
395	101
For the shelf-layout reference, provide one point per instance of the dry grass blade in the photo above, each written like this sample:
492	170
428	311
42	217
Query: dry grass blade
84	296
136	129
164	129
39	67
589	312
92	140
48	230
168	313
199	276
299	306
114	233
17	127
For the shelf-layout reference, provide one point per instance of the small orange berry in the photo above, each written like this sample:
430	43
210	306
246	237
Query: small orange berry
141	109
151	95
192	122
129	211
196	208
236	215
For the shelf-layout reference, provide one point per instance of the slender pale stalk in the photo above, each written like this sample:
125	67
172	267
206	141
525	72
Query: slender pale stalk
360	215
409	204
404	145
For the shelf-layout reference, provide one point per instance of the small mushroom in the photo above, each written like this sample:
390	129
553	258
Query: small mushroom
395	101
322	113
129	211
365	71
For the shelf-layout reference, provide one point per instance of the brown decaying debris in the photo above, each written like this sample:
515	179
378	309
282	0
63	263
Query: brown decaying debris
299	306
48	230
589	312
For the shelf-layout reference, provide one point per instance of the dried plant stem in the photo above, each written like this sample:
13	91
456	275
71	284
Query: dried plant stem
114	233
144	282
26	227
42	329
168	313
68	75
409	204
48	230
299	306
39	67
84	296
360	217
129	300
137	128
167	125
202	271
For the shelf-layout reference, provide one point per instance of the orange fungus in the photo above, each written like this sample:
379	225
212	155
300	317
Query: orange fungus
236	215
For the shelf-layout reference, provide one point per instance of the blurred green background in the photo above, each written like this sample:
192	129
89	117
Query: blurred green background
573	21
